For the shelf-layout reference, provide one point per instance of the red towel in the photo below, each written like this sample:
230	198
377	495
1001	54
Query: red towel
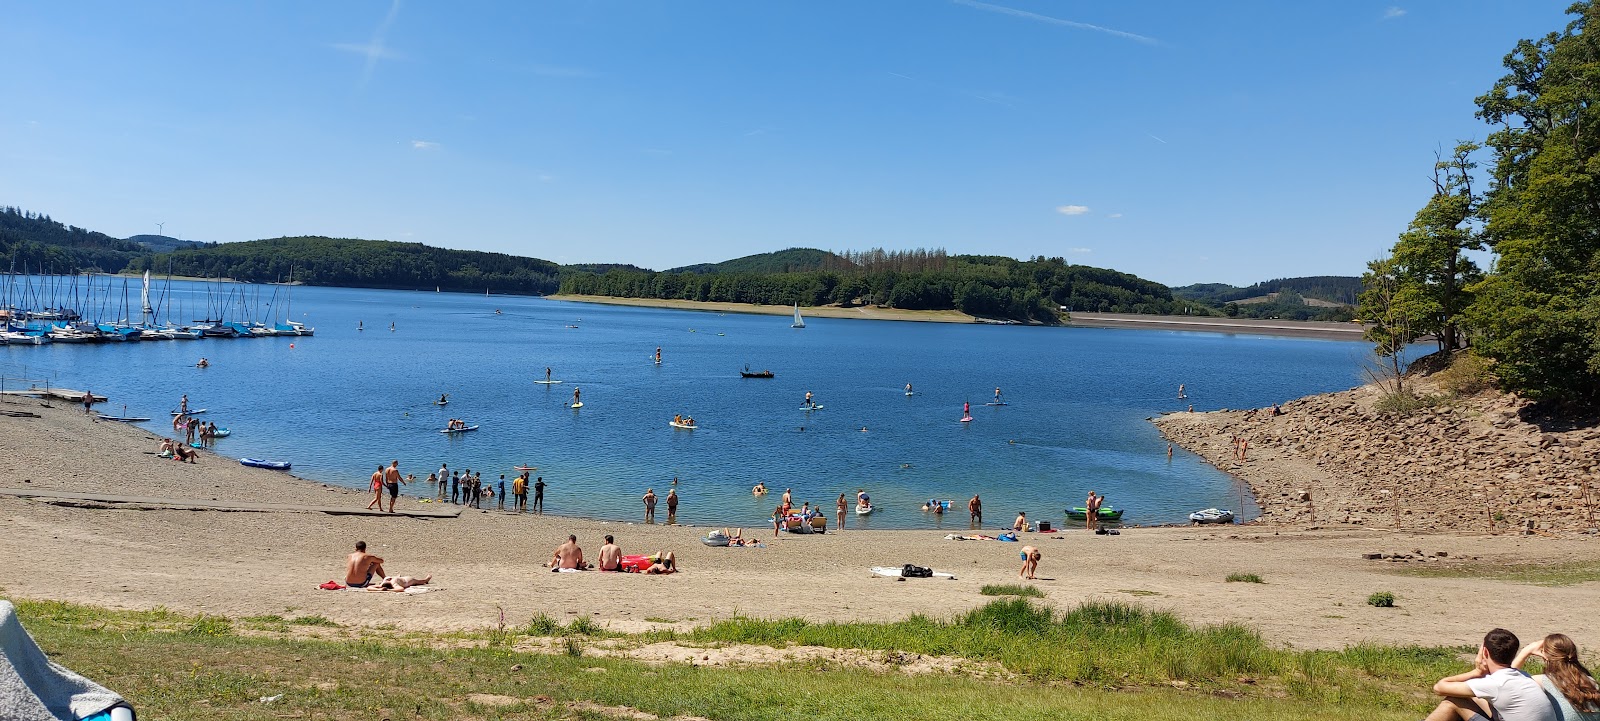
330	586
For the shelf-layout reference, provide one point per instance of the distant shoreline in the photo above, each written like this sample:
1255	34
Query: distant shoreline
1282	328
821	311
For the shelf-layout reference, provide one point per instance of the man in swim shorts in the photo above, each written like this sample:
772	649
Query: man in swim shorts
1030	563
361	567
392	481
975	507
538	495
610	556
672	505
649	505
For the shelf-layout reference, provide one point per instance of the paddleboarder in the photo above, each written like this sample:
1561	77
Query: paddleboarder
966	410
997	395
658	355
575	394
547	374
810	403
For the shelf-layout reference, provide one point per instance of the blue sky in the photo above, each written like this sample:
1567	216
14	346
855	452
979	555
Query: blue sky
1180	141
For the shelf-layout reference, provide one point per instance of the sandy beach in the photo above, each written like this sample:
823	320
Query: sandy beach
824	311
242	564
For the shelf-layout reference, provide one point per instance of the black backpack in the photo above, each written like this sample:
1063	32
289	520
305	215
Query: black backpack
910	571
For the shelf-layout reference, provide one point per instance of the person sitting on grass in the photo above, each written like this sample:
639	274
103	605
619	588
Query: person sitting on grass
1493	689
666	562
1570	685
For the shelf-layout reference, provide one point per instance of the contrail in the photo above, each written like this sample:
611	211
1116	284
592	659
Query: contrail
1056	21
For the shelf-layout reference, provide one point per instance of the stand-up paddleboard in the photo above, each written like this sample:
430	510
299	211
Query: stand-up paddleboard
459	430
684	426
1002	403
123	419
441	403
910	393
966	419
811	408
194	412
576	406
546	383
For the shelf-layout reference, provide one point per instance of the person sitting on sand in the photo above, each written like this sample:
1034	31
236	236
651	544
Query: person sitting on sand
399	583
361	567
1493	689
568	556
610	556
1021	524
1030	563
665	563
1569	684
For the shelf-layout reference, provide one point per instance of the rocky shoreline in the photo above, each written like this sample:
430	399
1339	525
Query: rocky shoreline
1472	465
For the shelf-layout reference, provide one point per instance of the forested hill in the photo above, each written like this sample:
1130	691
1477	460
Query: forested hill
38	243
1341	289
359	263
792	260
985	286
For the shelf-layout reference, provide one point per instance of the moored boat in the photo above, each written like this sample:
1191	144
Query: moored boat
1212	515
1106	513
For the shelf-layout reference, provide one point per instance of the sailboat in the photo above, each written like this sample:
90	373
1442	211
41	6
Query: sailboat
798	321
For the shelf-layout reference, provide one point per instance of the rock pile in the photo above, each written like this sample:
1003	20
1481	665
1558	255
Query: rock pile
1473	464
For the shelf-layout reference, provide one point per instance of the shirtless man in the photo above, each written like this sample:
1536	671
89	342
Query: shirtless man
567	555
649	505
975	507
1030	563
361	567
1021	524
788	497
610	556
666	562
377	490
392	481
672	505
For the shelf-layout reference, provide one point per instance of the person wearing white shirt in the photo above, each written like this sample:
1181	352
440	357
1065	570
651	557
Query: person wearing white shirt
1493	689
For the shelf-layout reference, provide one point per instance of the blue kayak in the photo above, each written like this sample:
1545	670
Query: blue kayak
269	465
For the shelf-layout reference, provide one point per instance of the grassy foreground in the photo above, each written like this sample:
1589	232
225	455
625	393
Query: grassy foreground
1100	661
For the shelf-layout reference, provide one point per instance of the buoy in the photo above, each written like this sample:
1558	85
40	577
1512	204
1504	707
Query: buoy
291	346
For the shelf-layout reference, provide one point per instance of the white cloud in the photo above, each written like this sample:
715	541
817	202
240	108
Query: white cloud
546	178
1072	209
1393	11
1056	21
1114	215
1080	251
424	145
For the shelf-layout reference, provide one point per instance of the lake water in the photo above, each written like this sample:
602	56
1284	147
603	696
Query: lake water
340	403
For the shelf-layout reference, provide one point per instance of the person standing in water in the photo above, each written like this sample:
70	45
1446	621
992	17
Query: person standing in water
843	504
1091	508
649	505
1181	394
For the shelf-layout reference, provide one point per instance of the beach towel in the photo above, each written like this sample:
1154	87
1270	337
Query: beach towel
895	572
32	688
331	586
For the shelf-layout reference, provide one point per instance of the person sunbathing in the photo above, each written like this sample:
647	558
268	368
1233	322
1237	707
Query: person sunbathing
399	583
666	562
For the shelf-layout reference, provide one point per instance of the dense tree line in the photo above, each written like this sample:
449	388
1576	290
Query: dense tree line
985	286
1536	314
359	263
40	244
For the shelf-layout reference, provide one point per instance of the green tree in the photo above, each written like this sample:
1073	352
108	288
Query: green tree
1430	263
1539	312
1387	308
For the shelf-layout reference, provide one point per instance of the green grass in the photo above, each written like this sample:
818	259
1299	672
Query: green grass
313	621
170	672
1381	599
1244	578
1011	589
1538	574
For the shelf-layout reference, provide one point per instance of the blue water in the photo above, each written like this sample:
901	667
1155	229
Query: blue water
339	404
